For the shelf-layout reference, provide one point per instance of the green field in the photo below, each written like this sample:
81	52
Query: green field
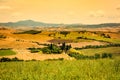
106	69
86	36
76	36
112	50
6	52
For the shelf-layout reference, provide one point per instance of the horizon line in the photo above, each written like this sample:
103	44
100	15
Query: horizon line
59	23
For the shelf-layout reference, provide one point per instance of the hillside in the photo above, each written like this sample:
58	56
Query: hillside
111	25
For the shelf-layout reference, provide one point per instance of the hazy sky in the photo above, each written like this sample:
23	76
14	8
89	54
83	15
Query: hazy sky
61	11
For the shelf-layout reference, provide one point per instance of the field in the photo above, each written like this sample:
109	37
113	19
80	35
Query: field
112	50
44	54
20	40
6	52
106	69
59	39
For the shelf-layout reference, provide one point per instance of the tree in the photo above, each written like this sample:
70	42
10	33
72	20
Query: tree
63	46
51	46
65	33
68	47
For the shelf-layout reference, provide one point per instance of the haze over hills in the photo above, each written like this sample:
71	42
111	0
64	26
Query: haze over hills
31	23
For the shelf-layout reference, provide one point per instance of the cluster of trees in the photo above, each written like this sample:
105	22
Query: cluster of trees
98	46
65	33
47	50
52	49
96	56
65	47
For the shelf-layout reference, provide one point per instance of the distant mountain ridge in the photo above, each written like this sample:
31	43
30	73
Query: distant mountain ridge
95	25
31	23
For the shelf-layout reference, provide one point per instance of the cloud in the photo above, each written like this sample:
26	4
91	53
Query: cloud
98	13
5	8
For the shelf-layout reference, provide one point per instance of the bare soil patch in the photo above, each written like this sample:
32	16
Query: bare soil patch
26	55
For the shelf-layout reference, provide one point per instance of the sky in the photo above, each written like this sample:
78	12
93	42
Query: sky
61	11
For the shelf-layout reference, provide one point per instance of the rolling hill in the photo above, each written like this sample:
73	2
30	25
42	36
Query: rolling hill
31	23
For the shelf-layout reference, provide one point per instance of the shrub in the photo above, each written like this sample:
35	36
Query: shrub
97	56
104	55
98	46
79	38
34	50
110	55
91	57
3	59
33	60
46	50
15	59
78	56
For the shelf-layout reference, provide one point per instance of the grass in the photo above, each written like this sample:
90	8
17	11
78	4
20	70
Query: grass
6	52
113	50
88	35
72	35
106	69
